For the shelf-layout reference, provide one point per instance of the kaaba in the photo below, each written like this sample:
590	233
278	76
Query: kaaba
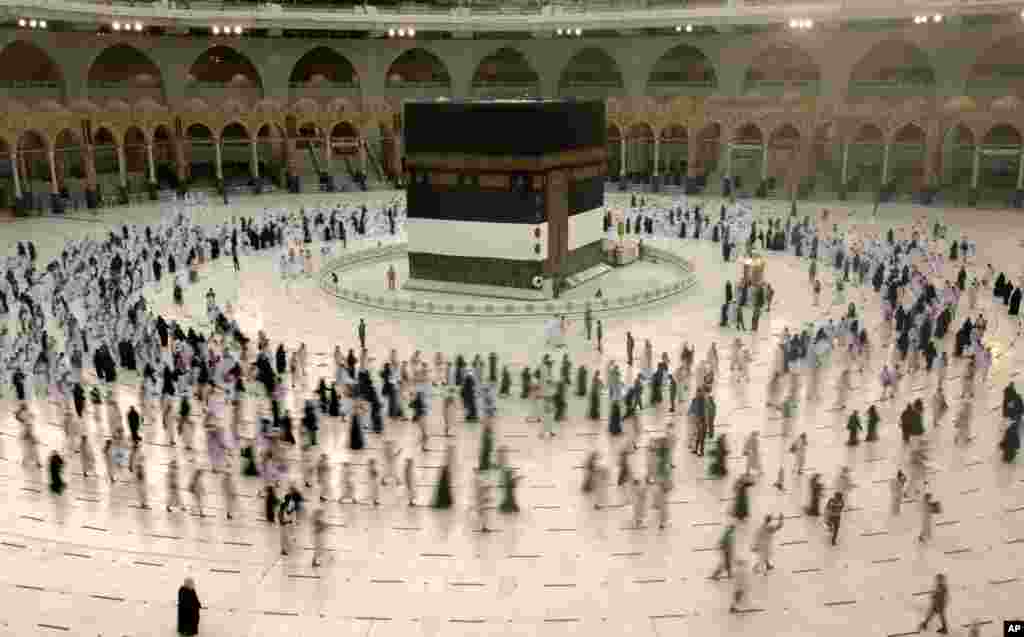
504	197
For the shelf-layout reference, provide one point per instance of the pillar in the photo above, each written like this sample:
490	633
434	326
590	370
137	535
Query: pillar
14	173
1020	170
255	159
844	175
150	163
764	162
217	161
728	160
976	166
657	152
692	157
179	161
622	156
328	152
931	157
885	163
362	156
53	171
89	160
122	167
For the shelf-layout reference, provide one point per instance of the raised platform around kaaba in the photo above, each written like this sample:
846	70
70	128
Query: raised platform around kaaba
508	128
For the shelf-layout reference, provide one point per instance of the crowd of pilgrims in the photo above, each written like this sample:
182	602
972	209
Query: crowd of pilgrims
94	293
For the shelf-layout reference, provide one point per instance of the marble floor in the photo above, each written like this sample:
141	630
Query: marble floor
93	563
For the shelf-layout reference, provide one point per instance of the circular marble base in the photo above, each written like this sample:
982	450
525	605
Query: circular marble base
663	275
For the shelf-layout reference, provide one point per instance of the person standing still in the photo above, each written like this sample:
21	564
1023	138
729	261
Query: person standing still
188	608
361	331
629	349
588	321
600	337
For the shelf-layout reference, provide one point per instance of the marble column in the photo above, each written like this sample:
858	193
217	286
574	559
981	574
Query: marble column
931	157
14	173
217	160
122	168
1020	170
844	174
150	163
328	153
976	166
885	163
54	188
255	159
692	157
764	162
657	152
622	156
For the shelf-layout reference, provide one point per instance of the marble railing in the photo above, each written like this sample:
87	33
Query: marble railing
526	17
503	307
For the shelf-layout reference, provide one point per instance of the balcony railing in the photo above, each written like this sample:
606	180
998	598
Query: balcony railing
124	90
995	86
890	87
222	91
525	16
778	87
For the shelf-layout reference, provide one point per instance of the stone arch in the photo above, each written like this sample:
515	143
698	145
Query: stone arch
202	154
135	155
322	72
322	64
709	151
613	141
420	68
999	164
673	154
505	72
780	67
592	73
958	143
272	152
745	161
907	147
639	150
866	158
682	69
33	158
784	155
105	143
69	161
889	67
24	64
165	158
236	153
1001	134
123	70
227	70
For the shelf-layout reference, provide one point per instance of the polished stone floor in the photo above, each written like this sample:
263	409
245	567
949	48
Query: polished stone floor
93	563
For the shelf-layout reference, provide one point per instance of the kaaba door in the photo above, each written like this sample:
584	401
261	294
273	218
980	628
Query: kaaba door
557	206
